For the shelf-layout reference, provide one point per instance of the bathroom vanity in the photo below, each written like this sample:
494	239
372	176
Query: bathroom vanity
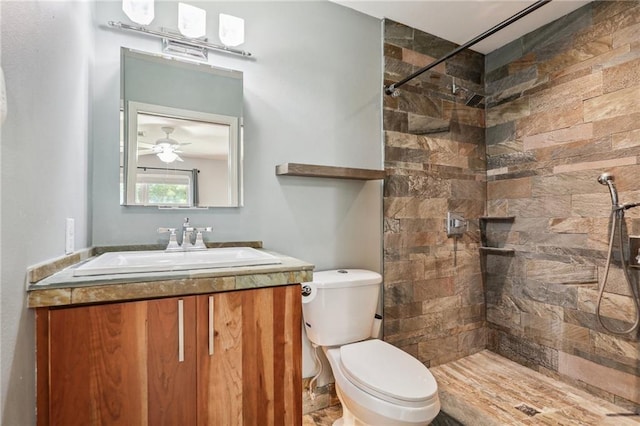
210	346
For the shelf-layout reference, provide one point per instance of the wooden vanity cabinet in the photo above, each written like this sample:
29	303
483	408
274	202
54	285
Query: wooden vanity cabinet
231	358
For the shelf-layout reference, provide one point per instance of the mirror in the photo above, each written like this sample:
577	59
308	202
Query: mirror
181	133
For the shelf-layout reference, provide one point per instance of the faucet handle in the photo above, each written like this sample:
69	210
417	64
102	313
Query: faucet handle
173	242
199	244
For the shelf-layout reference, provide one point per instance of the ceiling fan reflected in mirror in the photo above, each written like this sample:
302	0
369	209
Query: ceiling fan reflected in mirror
166	148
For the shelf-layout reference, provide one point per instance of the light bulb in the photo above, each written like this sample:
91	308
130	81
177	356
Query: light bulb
192	21
139	11
231	30
167	156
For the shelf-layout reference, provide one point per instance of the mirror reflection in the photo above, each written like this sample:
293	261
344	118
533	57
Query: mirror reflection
180	132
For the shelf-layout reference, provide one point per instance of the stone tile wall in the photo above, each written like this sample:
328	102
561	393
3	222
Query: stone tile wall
563	106
435	159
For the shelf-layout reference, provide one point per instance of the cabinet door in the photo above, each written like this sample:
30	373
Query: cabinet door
227	359
122	364
171	361
219	353
252	373
97	365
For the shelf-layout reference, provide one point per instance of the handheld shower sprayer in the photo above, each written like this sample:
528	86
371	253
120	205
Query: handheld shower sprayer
607	179
617	222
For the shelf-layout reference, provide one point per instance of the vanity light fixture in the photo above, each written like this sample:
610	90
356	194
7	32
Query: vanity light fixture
192	21
231	30
139	11
177	43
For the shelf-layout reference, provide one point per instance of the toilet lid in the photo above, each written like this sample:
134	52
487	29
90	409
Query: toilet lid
383	369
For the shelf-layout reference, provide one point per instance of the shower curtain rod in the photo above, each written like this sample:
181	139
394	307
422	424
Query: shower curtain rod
392	88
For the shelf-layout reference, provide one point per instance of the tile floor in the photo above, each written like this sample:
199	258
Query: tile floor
486	389
324	417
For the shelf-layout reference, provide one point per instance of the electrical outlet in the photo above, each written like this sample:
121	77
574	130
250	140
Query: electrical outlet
70	236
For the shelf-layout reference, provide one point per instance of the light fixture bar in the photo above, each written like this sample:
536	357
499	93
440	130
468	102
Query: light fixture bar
179	39
188	50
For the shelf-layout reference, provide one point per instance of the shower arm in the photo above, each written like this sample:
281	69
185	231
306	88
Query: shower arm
391	89
626	206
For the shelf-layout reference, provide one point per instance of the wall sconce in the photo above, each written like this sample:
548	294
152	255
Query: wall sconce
231	30
192	21
139	11
178	44
190	41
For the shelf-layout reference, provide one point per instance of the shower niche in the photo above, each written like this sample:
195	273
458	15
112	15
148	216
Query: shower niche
493	239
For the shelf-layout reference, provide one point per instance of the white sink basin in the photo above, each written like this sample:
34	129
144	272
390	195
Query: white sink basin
123	262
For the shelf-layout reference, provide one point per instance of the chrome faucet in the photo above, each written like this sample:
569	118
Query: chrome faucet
189	233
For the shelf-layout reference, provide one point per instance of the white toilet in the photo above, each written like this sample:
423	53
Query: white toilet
377	383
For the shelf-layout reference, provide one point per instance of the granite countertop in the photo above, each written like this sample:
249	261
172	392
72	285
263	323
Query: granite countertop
61	287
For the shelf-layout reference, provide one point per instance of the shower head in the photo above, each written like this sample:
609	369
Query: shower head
604	178
607	179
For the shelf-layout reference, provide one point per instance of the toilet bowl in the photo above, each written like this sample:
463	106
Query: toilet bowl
377	383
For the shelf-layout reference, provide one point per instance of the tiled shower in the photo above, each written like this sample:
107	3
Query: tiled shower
520	136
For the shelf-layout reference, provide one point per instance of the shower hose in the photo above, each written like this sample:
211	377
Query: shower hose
617	216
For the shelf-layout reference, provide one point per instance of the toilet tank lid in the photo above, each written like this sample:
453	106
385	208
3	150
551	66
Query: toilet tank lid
346	278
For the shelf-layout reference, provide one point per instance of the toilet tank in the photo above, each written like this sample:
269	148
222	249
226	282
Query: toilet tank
341	306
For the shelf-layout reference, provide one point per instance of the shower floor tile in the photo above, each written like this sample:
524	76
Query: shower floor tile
487	389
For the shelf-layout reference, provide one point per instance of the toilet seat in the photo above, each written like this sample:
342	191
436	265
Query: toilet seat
388	373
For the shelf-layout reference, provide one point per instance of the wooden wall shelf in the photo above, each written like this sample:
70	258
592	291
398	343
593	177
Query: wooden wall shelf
312	170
